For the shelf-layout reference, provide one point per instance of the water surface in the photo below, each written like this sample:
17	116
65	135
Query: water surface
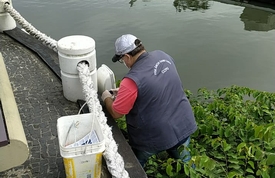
213	48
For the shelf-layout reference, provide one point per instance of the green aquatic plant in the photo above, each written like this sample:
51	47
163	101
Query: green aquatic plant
235	136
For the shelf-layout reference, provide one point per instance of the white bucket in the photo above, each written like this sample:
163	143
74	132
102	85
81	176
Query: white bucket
84	160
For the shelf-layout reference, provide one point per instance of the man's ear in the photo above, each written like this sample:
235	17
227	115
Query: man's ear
127	57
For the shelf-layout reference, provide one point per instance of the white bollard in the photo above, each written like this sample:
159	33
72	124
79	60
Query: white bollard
71	51
6	21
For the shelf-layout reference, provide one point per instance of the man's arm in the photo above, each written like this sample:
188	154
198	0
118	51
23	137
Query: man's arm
124	98
109	105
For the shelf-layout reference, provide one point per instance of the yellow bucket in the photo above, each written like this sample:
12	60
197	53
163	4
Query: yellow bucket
83	160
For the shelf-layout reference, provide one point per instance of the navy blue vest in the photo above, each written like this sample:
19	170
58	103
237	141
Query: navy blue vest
162	115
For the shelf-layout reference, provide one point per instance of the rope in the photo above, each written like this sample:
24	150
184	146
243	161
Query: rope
114	160
48	41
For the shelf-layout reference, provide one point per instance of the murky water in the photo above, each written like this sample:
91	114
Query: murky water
215	47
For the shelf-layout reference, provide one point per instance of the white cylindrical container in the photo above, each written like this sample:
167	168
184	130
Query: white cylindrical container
6	21
68	63
74	49
71	51
72	87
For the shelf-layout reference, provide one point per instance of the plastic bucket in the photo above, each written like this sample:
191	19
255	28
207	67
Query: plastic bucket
83	160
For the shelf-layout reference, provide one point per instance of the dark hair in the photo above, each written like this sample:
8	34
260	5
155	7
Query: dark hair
139	48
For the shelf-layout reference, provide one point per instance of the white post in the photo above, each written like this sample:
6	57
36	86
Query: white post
6	21
71	51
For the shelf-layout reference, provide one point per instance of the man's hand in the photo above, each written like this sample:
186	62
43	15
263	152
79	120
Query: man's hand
115	91
109	102
106	94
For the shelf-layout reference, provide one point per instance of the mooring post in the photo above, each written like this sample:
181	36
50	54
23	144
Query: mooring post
6	21
71	51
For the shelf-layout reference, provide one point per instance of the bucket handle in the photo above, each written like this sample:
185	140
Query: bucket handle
93	121
75	125
67	135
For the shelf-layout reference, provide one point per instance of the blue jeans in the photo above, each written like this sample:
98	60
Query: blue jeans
185	156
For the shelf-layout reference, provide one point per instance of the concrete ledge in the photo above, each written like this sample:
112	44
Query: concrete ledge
17	151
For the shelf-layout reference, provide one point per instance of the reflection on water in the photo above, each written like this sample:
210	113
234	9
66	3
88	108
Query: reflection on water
193	5
181	5
253	19
257	20
132	2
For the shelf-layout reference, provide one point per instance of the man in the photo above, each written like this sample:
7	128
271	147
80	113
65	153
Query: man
158	114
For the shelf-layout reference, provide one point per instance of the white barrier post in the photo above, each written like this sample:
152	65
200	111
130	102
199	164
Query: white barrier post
6	21
71	51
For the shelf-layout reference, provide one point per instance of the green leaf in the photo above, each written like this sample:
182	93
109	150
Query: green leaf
209	130
219	156
235	166
215	143
258	129
211	164
240	146
249	152
159	175
272	143
149	171
265	174
249	170
227	147
268	129
169	169
241	163
259	154
221	132
270	160
232	174
193	173
178	167
234	161
227	132
186	169
232	155
251	164
259	172
170	161
272	172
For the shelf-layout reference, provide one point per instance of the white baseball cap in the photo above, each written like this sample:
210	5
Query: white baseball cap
123	45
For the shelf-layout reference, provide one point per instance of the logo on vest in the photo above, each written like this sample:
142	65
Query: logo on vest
163	68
